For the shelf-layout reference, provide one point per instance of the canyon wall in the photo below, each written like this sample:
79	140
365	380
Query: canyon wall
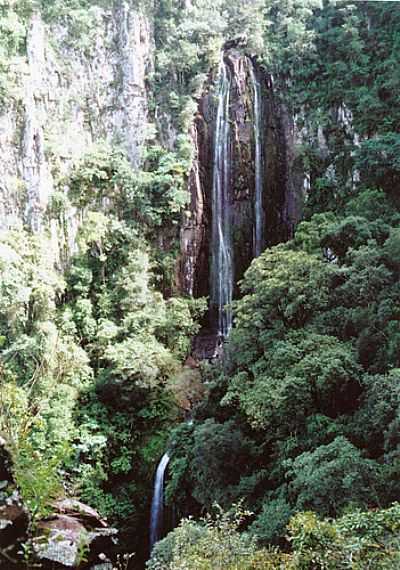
281	180
73	88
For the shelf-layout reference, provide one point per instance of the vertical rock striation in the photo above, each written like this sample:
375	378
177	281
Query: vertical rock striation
35	170
135	46
195	229
222	268
72	91
259	172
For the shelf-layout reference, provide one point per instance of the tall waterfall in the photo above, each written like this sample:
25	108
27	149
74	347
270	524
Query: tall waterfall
258	167
157	505
221	238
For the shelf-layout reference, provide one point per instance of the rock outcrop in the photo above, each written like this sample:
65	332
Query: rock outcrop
75	536
14	519
71	91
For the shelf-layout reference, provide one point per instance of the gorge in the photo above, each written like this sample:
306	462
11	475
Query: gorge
199	218
221	282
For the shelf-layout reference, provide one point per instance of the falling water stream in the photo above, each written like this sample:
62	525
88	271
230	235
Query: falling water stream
221	238
157	505
222	274
258	168
222	262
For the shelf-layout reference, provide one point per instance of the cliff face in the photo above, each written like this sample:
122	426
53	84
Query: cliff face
281	186
72	92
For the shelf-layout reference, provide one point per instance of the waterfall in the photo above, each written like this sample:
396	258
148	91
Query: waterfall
258	167
221	239
157	504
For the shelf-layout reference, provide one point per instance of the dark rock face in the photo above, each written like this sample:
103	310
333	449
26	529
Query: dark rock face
279	226
242	162
281	199
207	347
195	230
5	463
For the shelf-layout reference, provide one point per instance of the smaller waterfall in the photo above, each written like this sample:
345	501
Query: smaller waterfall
258	167
221	246
157	505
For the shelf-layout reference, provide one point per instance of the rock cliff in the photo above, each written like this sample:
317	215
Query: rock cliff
281	192
72	90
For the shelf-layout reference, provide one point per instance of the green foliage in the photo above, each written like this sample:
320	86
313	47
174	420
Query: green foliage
299	376
289	36
150	197
304	411
188	41
351	232
212	544
309	233
181	323
332	477
12	38
270	525
218	449
358	540
134	338
86	400
335	62
283	290
38	476
309	382
43	370
378	160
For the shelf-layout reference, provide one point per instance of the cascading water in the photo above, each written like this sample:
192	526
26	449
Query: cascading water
157	505
258	167
221	239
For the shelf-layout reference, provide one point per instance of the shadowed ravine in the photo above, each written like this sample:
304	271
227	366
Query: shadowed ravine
222	251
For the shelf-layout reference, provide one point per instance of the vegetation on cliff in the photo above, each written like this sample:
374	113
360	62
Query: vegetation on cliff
299	424
91	359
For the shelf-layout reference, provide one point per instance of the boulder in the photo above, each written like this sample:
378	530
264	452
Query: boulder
73	507
192	362
61	540
14	519
74	537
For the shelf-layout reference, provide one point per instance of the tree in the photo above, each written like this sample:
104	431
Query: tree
333	476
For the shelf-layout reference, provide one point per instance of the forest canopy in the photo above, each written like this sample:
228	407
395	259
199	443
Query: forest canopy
292	455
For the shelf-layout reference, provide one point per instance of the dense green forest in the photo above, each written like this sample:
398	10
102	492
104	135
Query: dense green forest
292	457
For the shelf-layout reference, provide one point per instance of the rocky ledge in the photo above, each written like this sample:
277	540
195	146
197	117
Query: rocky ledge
73	536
